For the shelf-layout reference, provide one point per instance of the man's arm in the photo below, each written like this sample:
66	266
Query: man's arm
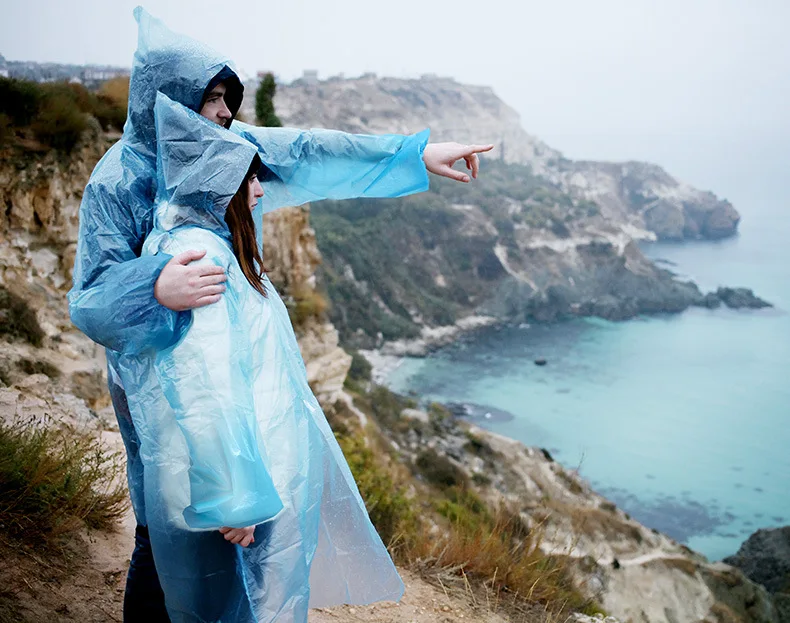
125	302
311	165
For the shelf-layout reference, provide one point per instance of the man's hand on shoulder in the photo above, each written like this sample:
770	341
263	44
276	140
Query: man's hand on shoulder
181	286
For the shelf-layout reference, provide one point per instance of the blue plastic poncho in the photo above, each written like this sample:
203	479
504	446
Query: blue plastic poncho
112	299
227	411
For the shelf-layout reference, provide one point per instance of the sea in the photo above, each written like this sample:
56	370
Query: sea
682	420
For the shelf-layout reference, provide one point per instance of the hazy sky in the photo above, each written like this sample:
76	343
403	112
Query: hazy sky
665	80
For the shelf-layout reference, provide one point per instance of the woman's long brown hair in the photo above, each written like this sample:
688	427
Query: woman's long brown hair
242	228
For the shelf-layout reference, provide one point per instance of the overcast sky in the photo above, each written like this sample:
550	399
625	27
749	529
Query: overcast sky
663	80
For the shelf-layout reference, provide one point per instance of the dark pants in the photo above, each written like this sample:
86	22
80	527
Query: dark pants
144	601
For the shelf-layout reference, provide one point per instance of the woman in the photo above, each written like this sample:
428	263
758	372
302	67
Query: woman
235	448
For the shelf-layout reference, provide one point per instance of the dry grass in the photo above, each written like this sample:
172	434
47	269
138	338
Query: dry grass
501	559
688	567
441	527
305	303
53	481
597	521
724	614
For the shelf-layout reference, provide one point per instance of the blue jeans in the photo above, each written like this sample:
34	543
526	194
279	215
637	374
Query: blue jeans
144	601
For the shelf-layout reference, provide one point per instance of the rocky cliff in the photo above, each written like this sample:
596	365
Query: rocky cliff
765	559
538	237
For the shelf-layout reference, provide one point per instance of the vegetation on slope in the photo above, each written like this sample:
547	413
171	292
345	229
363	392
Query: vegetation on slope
41	116
383	257
432	516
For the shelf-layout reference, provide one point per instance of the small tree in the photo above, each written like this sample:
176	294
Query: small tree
264	102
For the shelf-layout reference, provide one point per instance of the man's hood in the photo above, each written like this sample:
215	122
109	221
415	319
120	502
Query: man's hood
178	66
199	166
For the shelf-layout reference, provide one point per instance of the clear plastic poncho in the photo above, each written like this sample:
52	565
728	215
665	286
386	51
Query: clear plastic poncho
112	299
230	432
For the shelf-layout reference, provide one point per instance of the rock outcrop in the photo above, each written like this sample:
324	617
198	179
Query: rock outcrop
635	573
765	559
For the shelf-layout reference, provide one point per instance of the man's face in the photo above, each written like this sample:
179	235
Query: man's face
215	109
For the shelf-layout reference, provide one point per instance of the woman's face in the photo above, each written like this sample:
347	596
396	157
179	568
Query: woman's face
254	190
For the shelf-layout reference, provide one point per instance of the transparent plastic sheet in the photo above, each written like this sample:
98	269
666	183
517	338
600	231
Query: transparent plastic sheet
227	406
311	165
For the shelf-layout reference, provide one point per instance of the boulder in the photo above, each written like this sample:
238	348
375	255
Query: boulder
765	558
739	298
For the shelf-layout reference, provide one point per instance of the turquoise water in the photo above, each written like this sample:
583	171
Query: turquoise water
682	420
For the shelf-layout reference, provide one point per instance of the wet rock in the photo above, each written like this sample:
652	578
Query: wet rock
765	558
711	301
740	298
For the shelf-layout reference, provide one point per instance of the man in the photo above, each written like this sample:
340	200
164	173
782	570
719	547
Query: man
130	303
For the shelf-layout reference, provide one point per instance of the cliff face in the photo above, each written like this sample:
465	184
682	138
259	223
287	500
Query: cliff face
640	195
291	254
536	238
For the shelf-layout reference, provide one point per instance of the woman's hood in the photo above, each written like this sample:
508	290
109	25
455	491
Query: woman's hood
199	166
176	65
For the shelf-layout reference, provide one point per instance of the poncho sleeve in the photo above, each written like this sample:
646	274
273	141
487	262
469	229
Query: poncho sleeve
112	299
206	379
311	165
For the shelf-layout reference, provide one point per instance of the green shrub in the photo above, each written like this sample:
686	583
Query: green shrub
264	102
55	114
17	320
440	471
59	122
360	369
19	100
51	481
386	407
465	509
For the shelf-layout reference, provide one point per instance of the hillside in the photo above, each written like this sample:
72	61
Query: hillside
537	238
481	517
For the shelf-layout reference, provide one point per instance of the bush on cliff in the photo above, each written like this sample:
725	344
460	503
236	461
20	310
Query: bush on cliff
53	481
17	320
444	528
54	114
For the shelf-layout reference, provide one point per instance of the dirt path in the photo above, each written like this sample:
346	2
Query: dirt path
90	590
421	603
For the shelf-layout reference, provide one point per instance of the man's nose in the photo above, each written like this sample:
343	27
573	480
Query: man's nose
224	111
